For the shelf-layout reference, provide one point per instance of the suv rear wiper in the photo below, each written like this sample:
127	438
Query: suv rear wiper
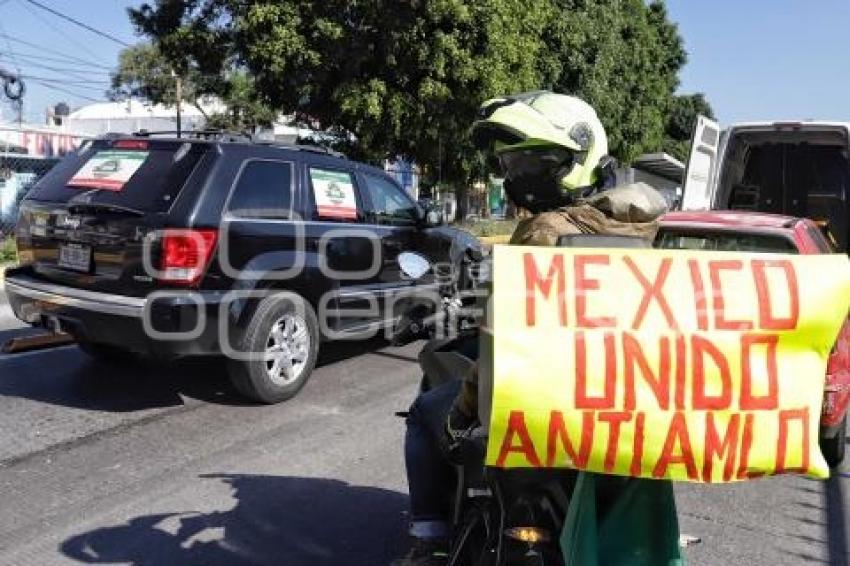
94	206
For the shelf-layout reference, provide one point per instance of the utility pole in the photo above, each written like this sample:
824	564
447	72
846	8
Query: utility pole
439	161
14	90
178	93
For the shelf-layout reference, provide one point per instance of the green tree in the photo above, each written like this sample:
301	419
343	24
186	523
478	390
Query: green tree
386	78
623	57
145	72
405	78
681	118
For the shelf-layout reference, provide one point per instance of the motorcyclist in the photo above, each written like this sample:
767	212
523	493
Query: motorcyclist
553	151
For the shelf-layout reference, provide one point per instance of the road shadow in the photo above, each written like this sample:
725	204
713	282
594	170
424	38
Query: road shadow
335	352
67	377
277	520
836	520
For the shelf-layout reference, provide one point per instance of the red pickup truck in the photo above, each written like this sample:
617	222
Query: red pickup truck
745	231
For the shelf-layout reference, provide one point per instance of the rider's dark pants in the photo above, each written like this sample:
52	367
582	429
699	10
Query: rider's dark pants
430	477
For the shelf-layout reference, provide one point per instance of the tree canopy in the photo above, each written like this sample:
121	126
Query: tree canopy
144	71
681	118
405	78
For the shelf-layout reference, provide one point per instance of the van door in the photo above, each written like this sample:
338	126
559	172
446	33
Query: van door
699	187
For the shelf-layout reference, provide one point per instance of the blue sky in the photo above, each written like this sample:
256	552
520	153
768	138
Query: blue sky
78	60
767	59
755	59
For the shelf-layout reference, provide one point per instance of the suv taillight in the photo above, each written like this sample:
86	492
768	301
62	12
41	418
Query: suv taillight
186	254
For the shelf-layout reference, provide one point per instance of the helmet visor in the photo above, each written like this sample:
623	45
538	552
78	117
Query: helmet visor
536	163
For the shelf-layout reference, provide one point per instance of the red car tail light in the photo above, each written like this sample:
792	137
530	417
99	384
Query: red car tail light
186	254
130	144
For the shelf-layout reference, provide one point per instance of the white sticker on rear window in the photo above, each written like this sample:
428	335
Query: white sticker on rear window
109	170
334	194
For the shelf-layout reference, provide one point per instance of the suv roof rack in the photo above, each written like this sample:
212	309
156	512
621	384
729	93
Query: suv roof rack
312	148
228	136
222	135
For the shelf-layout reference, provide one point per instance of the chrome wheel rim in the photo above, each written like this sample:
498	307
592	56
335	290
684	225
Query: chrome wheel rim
287	349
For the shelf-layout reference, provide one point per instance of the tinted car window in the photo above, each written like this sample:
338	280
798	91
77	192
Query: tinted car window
161	174
723	242
388	203
334	195
263	190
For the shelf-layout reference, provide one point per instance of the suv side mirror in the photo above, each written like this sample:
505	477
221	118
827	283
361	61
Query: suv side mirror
433	218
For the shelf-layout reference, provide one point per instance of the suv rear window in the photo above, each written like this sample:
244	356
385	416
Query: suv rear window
723	242
147	177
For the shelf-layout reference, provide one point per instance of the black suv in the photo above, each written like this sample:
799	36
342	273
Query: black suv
172	247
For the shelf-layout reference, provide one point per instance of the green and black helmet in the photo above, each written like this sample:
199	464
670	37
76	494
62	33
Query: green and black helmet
550	146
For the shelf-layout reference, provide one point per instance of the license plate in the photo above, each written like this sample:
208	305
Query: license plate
75	256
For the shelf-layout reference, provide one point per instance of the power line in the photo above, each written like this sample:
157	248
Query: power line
62	68
69	65
55	52
9	47
68	91
81	74
42	18
80	84
77	22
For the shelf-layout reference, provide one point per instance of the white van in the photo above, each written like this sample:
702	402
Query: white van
793	168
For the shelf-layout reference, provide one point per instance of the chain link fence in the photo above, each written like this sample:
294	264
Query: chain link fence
17	174
27	153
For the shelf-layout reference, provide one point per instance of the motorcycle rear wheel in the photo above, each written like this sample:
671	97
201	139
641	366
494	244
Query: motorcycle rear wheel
471	545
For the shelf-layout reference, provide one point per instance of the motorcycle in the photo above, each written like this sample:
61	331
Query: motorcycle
500	516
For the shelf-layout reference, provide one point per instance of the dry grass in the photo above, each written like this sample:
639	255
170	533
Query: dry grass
483	228
8	251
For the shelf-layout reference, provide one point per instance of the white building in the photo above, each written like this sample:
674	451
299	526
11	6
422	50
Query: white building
127	117
37	141
131	115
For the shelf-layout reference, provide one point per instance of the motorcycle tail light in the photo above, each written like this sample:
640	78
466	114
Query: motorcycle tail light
531	535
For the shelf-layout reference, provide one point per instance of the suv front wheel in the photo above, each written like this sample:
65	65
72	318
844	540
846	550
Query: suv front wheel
282	344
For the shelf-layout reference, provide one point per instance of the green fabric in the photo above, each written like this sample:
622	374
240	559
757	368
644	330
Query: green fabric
616	521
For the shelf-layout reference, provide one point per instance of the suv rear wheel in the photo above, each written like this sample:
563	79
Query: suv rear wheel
283	340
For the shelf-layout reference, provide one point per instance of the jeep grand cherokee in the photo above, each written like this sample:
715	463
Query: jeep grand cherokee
172	247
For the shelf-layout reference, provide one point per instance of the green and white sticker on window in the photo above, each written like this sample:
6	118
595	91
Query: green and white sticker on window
108	170
334	194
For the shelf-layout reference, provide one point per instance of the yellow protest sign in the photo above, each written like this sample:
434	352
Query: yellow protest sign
683	365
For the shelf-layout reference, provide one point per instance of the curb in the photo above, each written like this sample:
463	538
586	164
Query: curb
36	342
493	240
4	265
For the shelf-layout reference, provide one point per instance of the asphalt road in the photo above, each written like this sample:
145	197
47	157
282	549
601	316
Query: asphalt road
143	465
